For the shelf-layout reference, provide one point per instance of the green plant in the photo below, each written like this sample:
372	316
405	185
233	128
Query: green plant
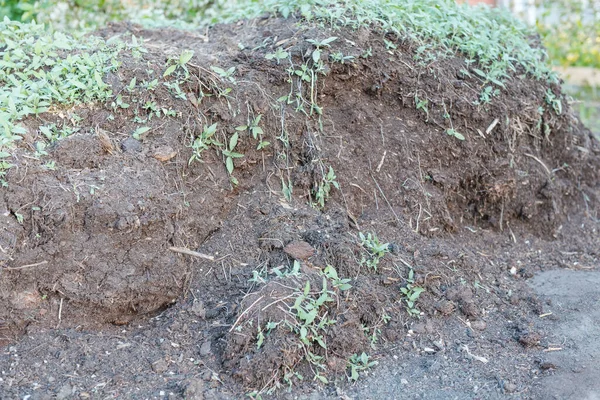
455	133
339	57
342	284
373	250
485	97
279	55
411	294
552	100
320	45
358	364
39	69
230	155
224	74
256	132
179	63
310	323
422	104
203	142
322	189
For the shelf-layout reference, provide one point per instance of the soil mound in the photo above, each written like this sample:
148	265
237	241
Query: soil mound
302	193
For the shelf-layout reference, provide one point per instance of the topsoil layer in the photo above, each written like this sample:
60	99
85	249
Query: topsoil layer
104	292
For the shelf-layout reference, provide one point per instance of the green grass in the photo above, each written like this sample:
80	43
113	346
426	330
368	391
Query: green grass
39	70
494	43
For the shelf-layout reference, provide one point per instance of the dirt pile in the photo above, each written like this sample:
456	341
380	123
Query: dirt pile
411	173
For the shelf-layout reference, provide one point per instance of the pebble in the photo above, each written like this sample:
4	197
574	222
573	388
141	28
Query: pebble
194	390
205	349
299	250
160	366
130	145
510	387
479	325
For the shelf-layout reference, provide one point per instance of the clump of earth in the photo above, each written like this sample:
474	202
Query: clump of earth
283	227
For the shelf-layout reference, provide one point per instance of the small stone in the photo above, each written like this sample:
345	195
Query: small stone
529	339
160	366
510	387
299	250
198	309
130	145
547	365
470	309
64	392
205	349
418	328
164	153
479	325
445	307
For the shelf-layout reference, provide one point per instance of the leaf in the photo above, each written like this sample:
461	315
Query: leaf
327	41
316	55
321	342
170	70
233	141
310	316
241	128
303	332
322	378
480	73
185	56
229	165
140	131
219	71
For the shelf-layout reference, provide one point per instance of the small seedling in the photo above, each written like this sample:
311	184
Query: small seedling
331	274
228	75
230	154
203	142
357	364
373	250
320	45
422	104
411	294
554	101
322	190
179	63
455	133
279	55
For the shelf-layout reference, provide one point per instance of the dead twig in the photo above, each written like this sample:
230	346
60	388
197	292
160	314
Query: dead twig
192	253
386	200
244	313
26	266
541	163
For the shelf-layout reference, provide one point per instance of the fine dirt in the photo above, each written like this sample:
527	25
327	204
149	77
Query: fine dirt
97	299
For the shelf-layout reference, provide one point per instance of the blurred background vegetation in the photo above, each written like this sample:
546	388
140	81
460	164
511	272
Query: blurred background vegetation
570	29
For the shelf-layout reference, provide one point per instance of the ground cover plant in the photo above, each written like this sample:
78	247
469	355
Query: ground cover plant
274	203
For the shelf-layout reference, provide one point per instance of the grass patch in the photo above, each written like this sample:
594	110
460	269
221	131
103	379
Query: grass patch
41	70
491	39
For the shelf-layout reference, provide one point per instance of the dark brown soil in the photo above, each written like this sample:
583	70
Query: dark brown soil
97	299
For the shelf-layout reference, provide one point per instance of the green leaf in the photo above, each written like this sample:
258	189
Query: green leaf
140	131
229	165
233	141
170	70
186	56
